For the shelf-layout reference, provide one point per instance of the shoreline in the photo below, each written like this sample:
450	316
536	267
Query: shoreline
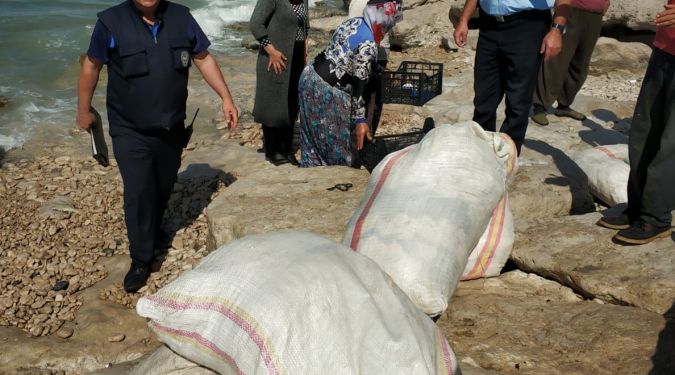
62	158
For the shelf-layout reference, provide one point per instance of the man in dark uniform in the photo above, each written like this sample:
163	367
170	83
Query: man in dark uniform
513	37
148	46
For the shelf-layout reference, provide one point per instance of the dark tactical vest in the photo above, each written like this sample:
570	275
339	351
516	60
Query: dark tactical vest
147	76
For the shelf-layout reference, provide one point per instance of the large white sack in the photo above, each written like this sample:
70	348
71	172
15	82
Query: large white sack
494	247
292	302
426	207
607	168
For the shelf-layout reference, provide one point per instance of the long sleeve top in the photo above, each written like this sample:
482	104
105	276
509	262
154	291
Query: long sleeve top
350	57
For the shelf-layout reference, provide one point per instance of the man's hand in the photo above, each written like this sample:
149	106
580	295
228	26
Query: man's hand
362	132
85	120
552	44
231	114
277	59
666	18
461	33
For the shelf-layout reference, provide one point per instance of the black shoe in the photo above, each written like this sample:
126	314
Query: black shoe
136	277
641	232
291	159
615	222
158	258
277	159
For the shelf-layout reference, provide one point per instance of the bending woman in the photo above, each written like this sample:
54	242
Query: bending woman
280	26
332	107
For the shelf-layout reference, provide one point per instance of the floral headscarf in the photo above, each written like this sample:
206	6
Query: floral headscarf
382	15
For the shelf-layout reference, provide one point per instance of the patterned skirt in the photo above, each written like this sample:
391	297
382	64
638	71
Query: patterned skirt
326	134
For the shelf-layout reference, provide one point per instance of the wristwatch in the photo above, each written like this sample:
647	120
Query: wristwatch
561	27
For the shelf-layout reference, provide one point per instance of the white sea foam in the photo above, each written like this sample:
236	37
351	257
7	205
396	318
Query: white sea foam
218	13
8	142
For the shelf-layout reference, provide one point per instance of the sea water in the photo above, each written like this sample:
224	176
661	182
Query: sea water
41	42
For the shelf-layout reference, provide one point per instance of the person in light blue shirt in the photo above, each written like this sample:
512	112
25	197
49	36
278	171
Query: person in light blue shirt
507	7
514	37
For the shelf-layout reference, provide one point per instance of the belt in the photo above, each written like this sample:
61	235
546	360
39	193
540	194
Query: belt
523	14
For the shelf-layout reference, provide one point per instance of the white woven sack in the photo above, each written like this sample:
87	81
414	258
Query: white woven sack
292	302
426	207
607	168
494	247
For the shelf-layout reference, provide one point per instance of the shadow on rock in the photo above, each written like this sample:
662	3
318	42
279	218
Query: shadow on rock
598	135
663	359
572	175
3	153
193	192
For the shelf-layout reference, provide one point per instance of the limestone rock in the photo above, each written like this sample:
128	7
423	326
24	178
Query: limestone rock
65	332
58	208
577	253
116	337
165	361
286	197
523	324
610	55
637	15
424	25
327	25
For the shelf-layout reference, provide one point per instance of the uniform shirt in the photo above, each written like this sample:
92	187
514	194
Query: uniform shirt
506	7
665	38
590	5
102	40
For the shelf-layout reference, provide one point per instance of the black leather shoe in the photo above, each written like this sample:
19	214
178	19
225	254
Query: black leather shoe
615	222
641	232
277	159
136	277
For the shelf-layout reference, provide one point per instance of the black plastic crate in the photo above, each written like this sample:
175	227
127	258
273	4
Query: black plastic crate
373	152
414	83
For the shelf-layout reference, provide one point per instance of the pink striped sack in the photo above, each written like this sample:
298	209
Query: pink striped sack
426	207
292	302
607	169
494	247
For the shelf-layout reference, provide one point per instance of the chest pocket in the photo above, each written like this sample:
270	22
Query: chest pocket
134	60
180	51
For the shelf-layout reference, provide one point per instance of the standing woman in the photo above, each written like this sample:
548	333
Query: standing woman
280	26
332	106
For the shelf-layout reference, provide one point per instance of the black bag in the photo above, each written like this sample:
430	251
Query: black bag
99	149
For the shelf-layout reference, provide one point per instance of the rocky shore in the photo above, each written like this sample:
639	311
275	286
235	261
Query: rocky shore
570	300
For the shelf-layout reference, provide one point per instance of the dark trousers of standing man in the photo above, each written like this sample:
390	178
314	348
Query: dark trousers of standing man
148	162
651	144
561	78
507	63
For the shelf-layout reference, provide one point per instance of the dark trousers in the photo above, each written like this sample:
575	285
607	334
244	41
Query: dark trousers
561	78
651	144
279	137
148	163
507	62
